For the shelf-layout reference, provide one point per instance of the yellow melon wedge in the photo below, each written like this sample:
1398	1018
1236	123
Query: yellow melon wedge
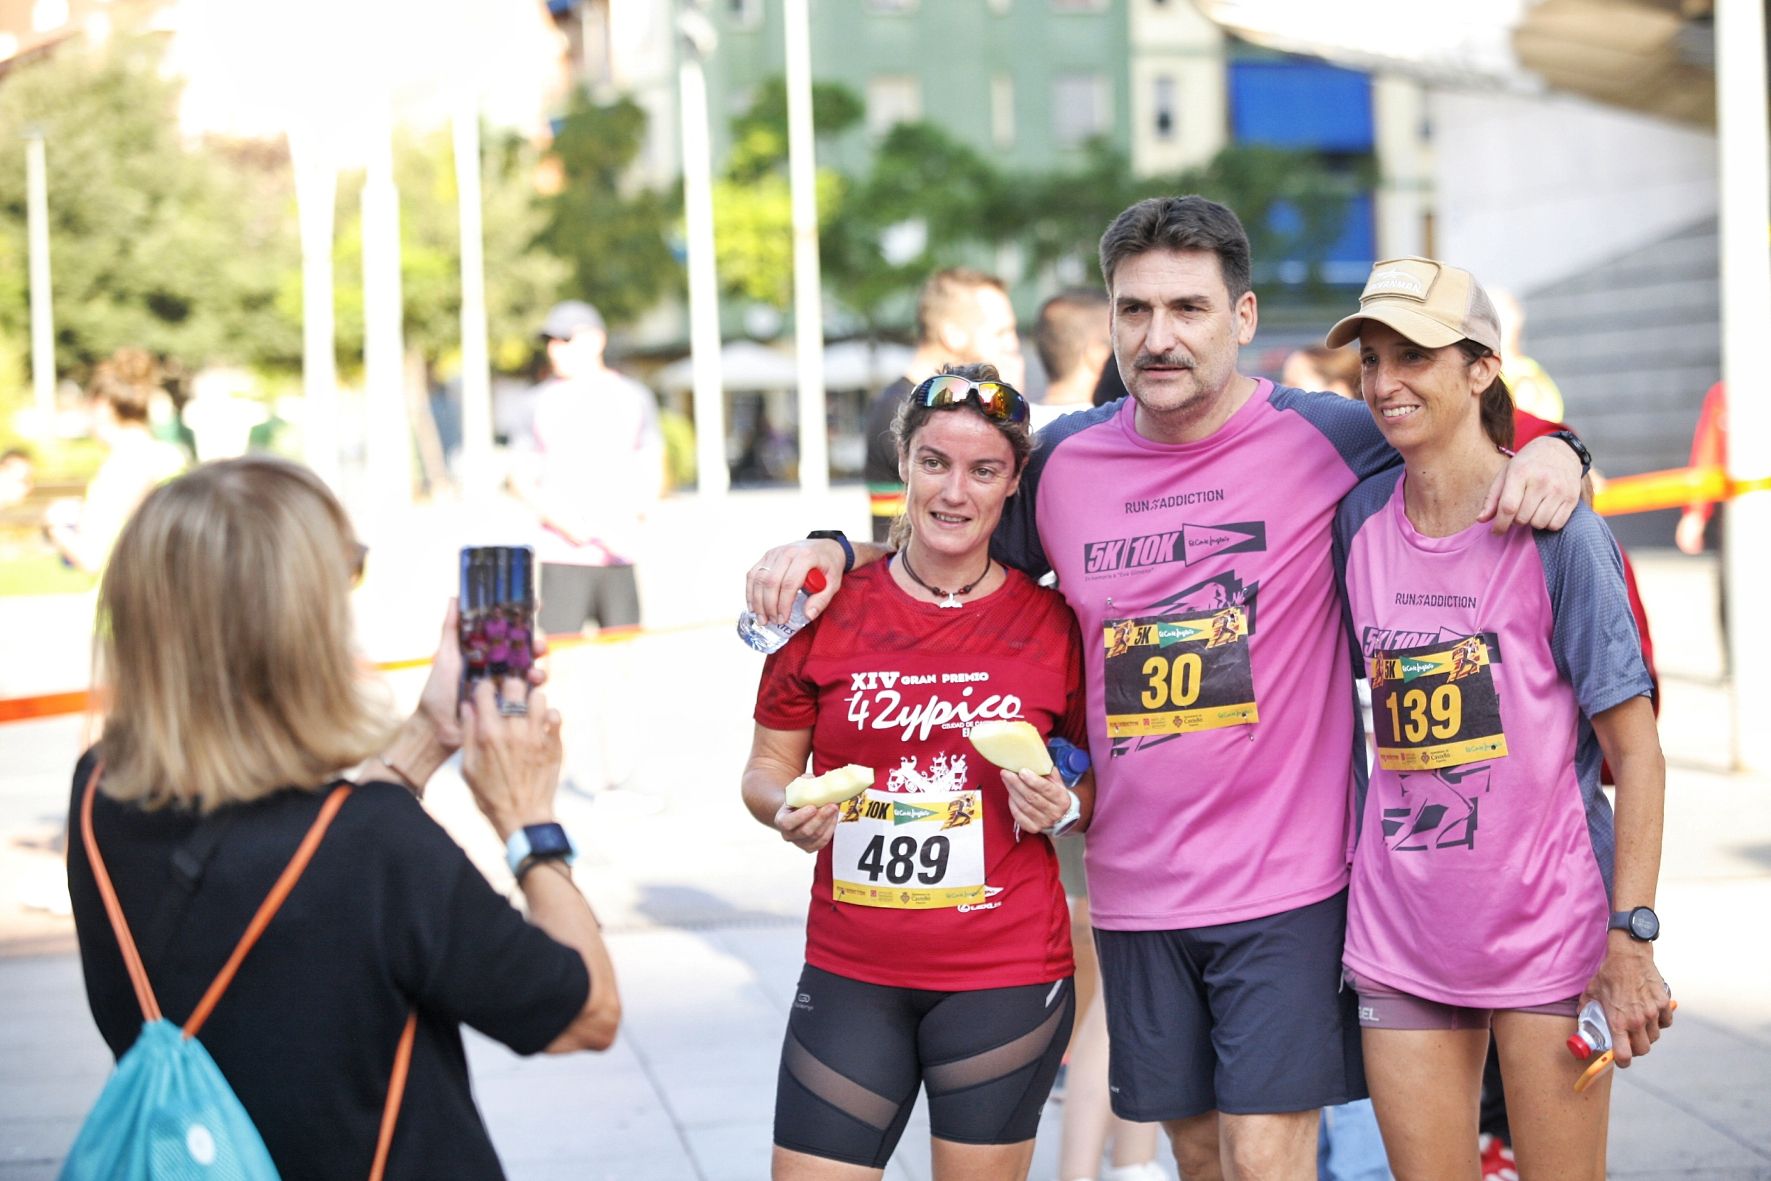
832	787
1013	746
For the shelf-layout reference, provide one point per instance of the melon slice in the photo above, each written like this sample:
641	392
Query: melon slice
1013	746
832	787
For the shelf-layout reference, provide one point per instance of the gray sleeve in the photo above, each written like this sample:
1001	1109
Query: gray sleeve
1594	640
1346	424
1355	509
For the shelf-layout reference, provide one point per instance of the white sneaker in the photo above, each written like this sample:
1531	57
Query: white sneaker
1142	1171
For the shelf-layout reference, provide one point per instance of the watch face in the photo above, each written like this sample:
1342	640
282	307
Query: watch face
1644	925
547	840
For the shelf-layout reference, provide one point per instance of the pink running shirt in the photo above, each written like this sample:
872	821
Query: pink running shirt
1221	709
1483	868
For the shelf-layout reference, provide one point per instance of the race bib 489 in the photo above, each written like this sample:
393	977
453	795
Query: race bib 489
916	851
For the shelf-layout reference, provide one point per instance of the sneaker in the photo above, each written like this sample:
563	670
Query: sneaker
1497	1159
1142	1171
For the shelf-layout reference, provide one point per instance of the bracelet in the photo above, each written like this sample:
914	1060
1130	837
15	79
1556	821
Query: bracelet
415	788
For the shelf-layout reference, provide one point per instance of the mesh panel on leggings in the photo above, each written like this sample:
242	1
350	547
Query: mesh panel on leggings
841	1092
1001	1062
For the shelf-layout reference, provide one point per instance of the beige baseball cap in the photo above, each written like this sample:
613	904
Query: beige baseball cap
1431	303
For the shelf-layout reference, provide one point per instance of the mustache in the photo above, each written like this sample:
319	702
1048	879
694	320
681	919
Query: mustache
1164	361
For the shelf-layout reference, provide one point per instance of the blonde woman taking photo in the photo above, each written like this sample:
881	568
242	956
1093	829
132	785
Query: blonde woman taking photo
236	709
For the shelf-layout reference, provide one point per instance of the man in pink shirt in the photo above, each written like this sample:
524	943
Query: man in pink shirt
1190	529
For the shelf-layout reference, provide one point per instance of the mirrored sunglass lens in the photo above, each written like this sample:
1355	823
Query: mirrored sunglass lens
1001	401
944	391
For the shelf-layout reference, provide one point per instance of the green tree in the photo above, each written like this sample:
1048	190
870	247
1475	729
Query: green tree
153	242
612	235
752	202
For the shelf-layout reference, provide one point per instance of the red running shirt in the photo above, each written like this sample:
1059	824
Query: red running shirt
895	684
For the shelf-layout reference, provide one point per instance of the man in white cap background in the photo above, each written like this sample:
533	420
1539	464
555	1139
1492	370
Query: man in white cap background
594	467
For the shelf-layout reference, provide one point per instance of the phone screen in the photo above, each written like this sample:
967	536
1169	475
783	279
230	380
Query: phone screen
497	613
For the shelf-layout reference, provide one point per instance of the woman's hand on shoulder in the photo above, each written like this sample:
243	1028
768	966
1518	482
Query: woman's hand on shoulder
1638	1003
511	761
809	829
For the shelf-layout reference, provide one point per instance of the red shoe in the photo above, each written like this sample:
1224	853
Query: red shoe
1497	1159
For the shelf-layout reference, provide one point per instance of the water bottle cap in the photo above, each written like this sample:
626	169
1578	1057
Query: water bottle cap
1577	1046
815	581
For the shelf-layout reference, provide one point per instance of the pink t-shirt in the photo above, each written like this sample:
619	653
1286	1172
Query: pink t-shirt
1221	709
1485	847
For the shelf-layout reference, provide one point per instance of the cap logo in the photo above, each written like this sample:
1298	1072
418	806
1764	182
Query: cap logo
1394	283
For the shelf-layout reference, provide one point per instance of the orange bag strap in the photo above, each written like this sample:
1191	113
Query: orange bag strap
267	909
138	975
396	1091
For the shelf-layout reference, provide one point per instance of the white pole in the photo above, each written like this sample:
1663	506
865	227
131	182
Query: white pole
476	368
316	194
808	299
42	306
1741	134
388	442
711	476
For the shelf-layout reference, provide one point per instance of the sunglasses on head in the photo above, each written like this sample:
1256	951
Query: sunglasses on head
997	399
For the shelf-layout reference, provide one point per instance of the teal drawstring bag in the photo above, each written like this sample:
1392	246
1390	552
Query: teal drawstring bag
167	1113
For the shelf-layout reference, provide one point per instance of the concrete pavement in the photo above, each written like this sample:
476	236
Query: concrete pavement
704	907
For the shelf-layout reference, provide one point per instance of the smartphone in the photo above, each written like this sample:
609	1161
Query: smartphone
497	615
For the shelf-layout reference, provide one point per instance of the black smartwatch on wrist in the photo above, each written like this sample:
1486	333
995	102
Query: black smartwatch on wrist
836	535
1642	924
534	843
1580	450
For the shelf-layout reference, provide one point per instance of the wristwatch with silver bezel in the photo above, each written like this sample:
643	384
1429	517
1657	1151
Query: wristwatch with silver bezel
1641	923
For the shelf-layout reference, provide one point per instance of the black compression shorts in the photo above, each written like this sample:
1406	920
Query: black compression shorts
856	1054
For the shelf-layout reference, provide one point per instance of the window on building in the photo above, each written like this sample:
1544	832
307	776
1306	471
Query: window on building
745	14
1001	7
1165	106
892	5
1002	111
1079	5
892	99
1082	107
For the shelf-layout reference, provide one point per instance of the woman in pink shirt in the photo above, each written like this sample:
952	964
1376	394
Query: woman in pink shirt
1491	893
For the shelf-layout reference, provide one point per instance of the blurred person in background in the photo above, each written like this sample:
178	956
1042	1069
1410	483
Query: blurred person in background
1073	335
1521	668
237	712
1709	448
963	317
18	475
1334	371
122	390
593	467
1533	389
940	960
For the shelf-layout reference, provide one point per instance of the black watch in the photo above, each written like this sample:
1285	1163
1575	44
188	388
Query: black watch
1642	923
836	535
1580	450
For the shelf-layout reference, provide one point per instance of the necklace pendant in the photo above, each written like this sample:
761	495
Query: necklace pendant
951	600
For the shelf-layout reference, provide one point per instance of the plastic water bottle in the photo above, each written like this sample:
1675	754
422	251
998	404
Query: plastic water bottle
1593	1035
767	637
1069	759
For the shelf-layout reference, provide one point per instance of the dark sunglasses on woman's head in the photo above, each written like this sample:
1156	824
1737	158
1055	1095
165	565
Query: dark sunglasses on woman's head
997	399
